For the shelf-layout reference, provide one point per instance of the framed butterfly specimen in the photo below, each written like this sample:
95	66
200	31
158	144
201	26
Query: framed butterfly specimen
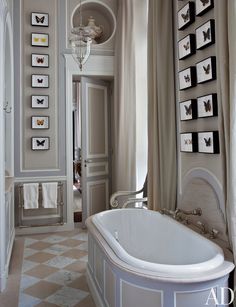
187	78
188	142
188	109
186	46
207	106
40	102
40	143
206	70
40	81
40	60
40	19
208	142
186	15
40	122
203	6
205	34
39	39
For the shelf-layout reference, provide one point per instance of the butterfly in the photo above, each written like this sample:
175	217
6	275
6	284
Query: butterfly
208	142
206	34
185	16
186	47
40	143
207	69
40	80
204	2
40	60
187	78
188	109
188	142
40	122
40	19
40	101
207	105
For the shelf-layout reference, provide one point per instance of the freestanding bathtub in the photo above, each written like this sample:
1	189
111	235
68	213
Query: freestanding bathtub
140	258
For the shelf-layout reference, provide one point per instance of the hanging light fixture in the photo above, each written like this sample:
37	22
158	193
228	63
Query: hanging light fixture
82	37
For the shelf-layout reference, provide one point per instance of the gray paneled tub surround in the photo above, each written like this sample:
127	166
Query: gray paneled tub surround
140	258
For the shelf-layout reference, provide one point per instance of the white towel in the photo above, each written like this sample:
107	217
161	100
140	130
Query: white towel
31	195
49	193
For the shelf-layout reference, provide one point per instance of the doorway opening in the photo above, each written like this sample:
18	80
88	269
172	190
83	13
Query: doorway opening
91	118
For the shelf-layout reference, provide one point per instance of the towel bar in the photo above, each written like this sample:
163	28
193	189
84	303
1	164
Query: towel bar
60	204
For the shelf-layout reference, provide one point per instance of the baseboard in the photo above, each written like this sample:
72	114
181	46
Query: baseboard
93	290
44	229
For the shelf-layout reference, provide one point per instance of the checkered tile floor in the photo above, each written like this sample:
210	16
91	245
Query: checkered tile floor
53	271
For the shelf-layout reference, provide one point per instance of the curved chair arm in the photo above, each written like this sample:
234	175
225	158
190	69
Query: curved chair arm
113	200
136	200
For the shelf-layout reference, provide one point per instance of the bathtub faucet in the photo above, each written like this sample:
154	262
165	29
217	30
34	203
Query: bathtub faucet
176	214
197	211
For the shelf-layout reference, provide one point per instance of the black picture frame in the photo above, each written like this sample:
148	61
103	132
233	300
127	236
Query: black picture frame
207	106
188	109
40	60
208	142
40	143
187	78
40	39
189	142
39	101
39	19
205	34
39	81
206	70
186	46
203	6
186	15
40	122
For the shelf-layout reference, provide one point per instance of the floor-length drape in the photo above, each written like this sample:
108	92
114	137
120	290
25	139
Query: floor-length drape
124	143
226	83
161	107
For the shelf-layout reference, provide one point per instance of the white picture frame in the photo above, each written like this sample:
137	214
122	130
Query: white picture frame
188	142
39	60
186	15
40	81
187	78
40	19
203	6
186	46
40	143
188	109
39	39
208	142
205	34
40	122
206	70
207	106
40	101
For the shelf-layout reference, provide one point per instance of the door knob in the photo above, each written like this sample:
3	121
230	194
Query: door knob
88	161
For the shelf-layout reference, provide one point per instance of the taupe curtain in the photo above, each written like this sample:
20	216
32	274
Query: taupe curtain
124	159
226	82
161	107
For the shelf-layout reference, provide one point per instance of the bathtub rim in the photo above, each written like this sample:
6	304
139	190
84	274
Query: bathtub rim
224	269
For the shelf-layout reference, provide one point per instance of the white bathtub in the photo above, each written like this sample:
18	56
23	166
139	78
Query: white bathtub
137	245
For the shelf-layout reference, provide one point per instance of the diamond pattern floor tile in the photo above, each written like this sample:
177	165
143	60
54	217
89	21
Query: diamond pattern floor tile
41	271
40	257
67	297
53	271
42	289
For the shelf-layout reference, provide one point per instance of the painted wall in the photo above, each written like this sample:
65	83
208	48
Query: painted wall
209	167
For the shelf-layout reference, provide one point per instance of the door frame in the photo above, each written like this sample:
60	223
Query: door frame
96	66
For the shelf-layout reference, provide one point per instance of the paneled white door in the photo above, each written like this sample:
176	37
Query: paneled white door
95	146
